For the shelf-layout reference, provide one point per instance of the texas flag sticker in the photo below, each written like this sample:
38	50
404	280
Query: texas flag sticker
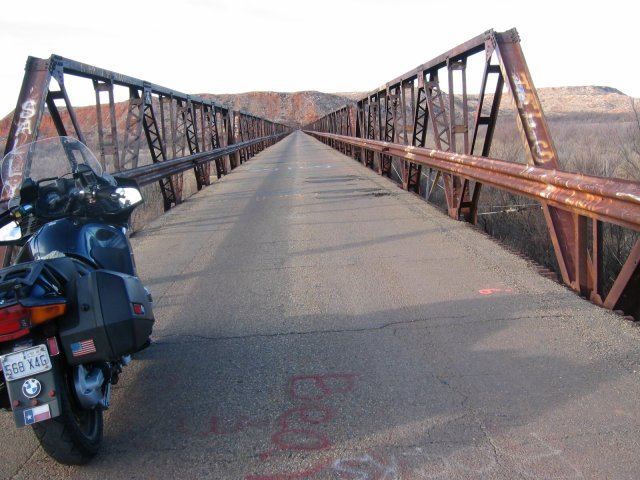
37	414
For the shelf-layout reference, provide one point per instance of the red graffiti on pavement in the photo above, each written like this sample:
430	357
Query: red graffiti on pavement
304	439
295	430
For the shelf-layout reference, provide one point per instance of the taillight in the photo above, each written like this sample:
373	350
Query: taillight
15	318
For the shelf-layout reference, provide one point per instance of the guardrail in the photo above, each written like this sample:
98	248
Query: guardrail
610	200
147	174
391	124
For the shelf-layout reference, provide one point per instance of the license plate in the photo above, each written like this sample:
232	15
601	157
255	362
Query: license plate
25	363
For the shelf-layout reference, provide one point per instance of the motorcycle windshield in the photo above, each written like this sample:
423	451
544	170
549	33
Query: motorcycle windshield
48	158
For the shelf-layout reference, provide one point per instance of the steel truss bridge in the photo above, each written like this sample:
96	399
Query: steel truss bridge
386	129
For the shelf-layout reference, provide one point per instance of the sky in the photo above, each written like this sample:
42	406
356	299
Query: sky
234	46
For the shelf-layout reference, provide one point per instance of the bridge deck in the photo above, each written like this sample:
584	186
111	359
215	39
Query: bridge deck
314	321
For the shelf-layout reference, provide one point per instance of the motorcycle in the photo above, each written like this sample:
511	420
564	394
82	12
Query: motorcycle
72	310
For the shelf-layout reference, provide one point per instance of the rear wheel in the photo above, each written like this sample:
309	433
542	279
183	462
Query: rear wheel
73	437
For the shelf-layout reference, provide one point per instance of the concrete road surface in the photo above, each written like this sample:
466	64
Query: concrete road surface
316	322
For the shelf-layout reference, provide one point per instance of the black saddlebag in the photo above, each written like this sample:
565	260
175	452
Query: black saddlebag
113	318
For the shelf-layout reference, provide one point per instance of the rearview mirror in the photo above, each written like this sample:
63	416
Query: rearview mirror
10	232
128	196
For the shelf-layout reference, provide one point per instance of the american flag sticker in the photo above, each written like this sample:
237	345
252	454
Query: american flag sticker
85	347
37	414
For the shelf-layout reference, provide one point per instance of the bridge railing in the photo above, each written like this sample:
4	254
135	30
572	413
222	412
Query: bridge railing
180	131
389	127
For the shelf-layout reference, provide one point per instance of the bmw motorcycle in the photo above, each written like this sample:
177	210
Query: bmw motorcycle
72	310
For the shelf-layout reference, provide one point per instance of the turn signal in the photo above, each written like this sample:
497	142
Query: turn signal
15	320
44	313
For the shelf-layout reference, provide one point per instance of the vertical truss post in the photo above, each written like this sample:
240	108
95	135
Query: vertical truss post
191	130
133	132
460	192
27	116
596	266
250	135
162	100
357	152
470	209
345	124
107	140
230	123
441	131
205	167
253	133
178	140
242	125
372	108
349	129
259	130
379	129
204	127
391	105
156	147
251	124
490	121
214	138
333	125
581	284
404	165
24	126
240	136
419	136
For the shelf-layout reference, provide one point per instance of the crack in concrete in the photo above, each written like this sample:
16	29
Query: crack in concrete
26	462
353	330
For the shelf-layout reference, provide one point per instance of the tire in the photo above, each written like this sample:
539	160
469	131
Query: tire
73	437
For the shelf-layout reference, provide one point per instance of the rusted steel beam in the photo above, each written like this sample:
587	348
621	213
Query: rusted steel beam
607	199
470	47
30	105
539	147
26	121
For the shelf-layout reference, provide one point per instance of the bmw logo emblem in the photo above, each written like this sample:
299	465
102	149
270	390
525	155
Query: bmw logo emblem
31	388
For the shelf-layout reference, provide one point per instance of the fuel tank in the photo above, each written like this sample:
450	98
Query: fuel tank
106	246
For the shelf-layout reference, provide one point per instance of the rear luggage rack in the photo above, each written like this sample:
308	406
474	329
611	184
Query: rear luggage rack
20	278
